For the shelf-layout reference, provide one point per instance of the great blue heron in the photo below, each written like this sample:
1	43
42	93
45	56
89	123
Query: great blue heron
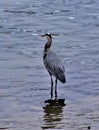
53	64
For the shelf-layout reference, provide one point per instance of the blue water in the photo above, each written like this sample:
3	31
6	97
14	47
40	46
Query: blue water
24	82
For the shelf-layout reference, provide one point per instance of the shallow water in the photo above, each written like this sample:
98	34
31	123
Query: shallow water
24	82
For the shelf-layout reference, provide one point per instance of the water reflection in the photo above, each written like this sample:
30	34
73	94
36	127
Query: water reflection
53	113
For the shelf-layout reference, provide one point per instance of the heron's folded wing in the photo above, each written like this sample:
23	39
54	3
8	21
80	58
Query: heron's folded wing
54	65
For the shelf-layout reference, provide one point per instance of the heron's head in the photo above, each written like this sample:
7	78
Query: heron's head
47	35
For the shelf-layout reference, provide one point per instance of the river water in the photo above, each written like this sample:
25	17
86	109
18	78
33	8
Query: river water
24	81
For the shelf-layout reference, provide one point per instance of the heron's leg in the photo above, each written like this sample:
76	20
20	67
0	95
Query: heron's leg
56	88
51	87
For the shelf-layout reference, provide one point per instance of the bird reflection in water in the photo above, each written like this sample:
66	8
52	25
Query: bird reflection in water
53	113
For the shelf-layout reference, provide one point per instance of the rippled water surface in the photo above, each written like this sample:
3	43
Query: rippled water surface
24	82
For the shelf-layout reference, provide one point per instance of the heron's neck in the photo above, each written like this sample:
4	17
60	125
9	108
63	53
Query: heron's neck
47	46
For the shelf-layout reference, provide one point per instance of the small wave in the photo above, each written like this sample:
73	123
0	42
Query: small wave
19	11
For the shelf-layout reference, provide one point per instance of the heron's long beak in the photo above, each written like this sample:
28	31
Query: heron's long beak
42	35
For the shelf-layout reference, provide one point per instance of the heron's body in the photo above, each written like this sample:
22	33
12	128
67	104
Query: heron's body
53	64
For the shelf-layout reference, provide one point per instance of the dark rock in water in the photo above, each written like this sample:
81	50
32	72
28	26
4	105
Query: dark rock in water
89	127
56	102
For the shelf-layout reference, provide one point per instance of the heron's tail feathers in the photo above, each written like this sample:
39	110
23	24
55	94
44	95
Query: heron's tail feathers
62	78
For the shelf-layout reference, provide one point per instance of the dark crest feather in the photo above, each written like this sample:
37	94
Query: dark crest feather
48	34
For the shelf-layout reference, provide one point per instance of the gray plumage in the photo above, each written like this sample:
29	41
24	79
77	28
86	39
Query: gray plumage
53	64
